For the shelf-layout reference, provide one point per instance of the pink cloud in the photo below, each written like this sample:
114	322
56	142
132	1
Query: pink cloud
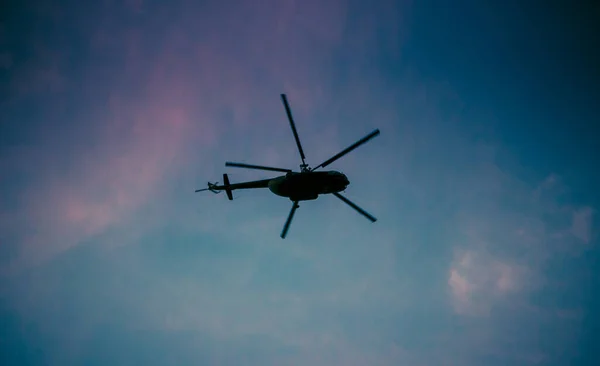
139	142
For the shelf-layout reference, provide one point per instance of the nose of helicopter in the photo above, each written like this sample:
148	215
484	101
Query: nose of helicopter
340	178
344	179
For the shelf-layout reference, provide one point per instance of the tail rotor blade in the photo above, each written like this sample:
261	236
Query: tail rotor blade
211	187
286	227
258	167
348	149
288	111
354	206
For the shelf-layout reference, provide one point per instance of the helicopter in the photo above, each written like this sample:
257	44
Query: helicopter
305	185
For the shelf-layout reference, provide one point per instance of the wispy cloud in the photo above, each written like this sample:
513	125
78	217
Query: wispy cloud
505	247
113	176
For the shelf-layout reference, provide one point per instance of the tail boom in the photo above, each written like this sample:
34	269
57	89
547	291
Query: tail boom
229	188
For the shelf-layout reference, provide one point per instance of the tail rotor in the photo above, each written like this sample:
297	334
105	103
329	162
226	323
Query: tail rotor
211	187
215	188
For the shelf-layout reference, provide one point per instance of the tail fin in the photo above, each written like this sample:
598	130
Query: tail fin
227	187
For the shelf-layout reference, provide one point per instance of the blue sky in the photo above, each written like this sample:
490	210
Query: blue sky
482	180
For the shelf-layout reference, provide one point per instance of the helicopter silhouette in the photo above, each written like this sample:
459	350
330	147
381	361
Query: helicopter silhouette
305	185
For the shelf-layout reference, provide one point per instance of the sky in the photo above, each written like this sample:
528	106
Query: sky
486	246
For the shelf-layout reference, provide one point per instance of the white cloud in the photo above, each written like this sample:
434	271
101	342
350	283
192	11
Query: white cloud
477	279
506	245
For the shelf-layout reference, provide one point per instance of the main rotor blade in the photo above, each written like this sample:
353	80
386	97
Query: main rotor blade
286	227
258	167
354	206
348	149
293	125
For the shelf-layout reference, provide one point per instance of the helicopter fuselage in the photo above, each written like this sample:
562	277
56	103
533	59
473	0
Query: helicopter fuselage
305	186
